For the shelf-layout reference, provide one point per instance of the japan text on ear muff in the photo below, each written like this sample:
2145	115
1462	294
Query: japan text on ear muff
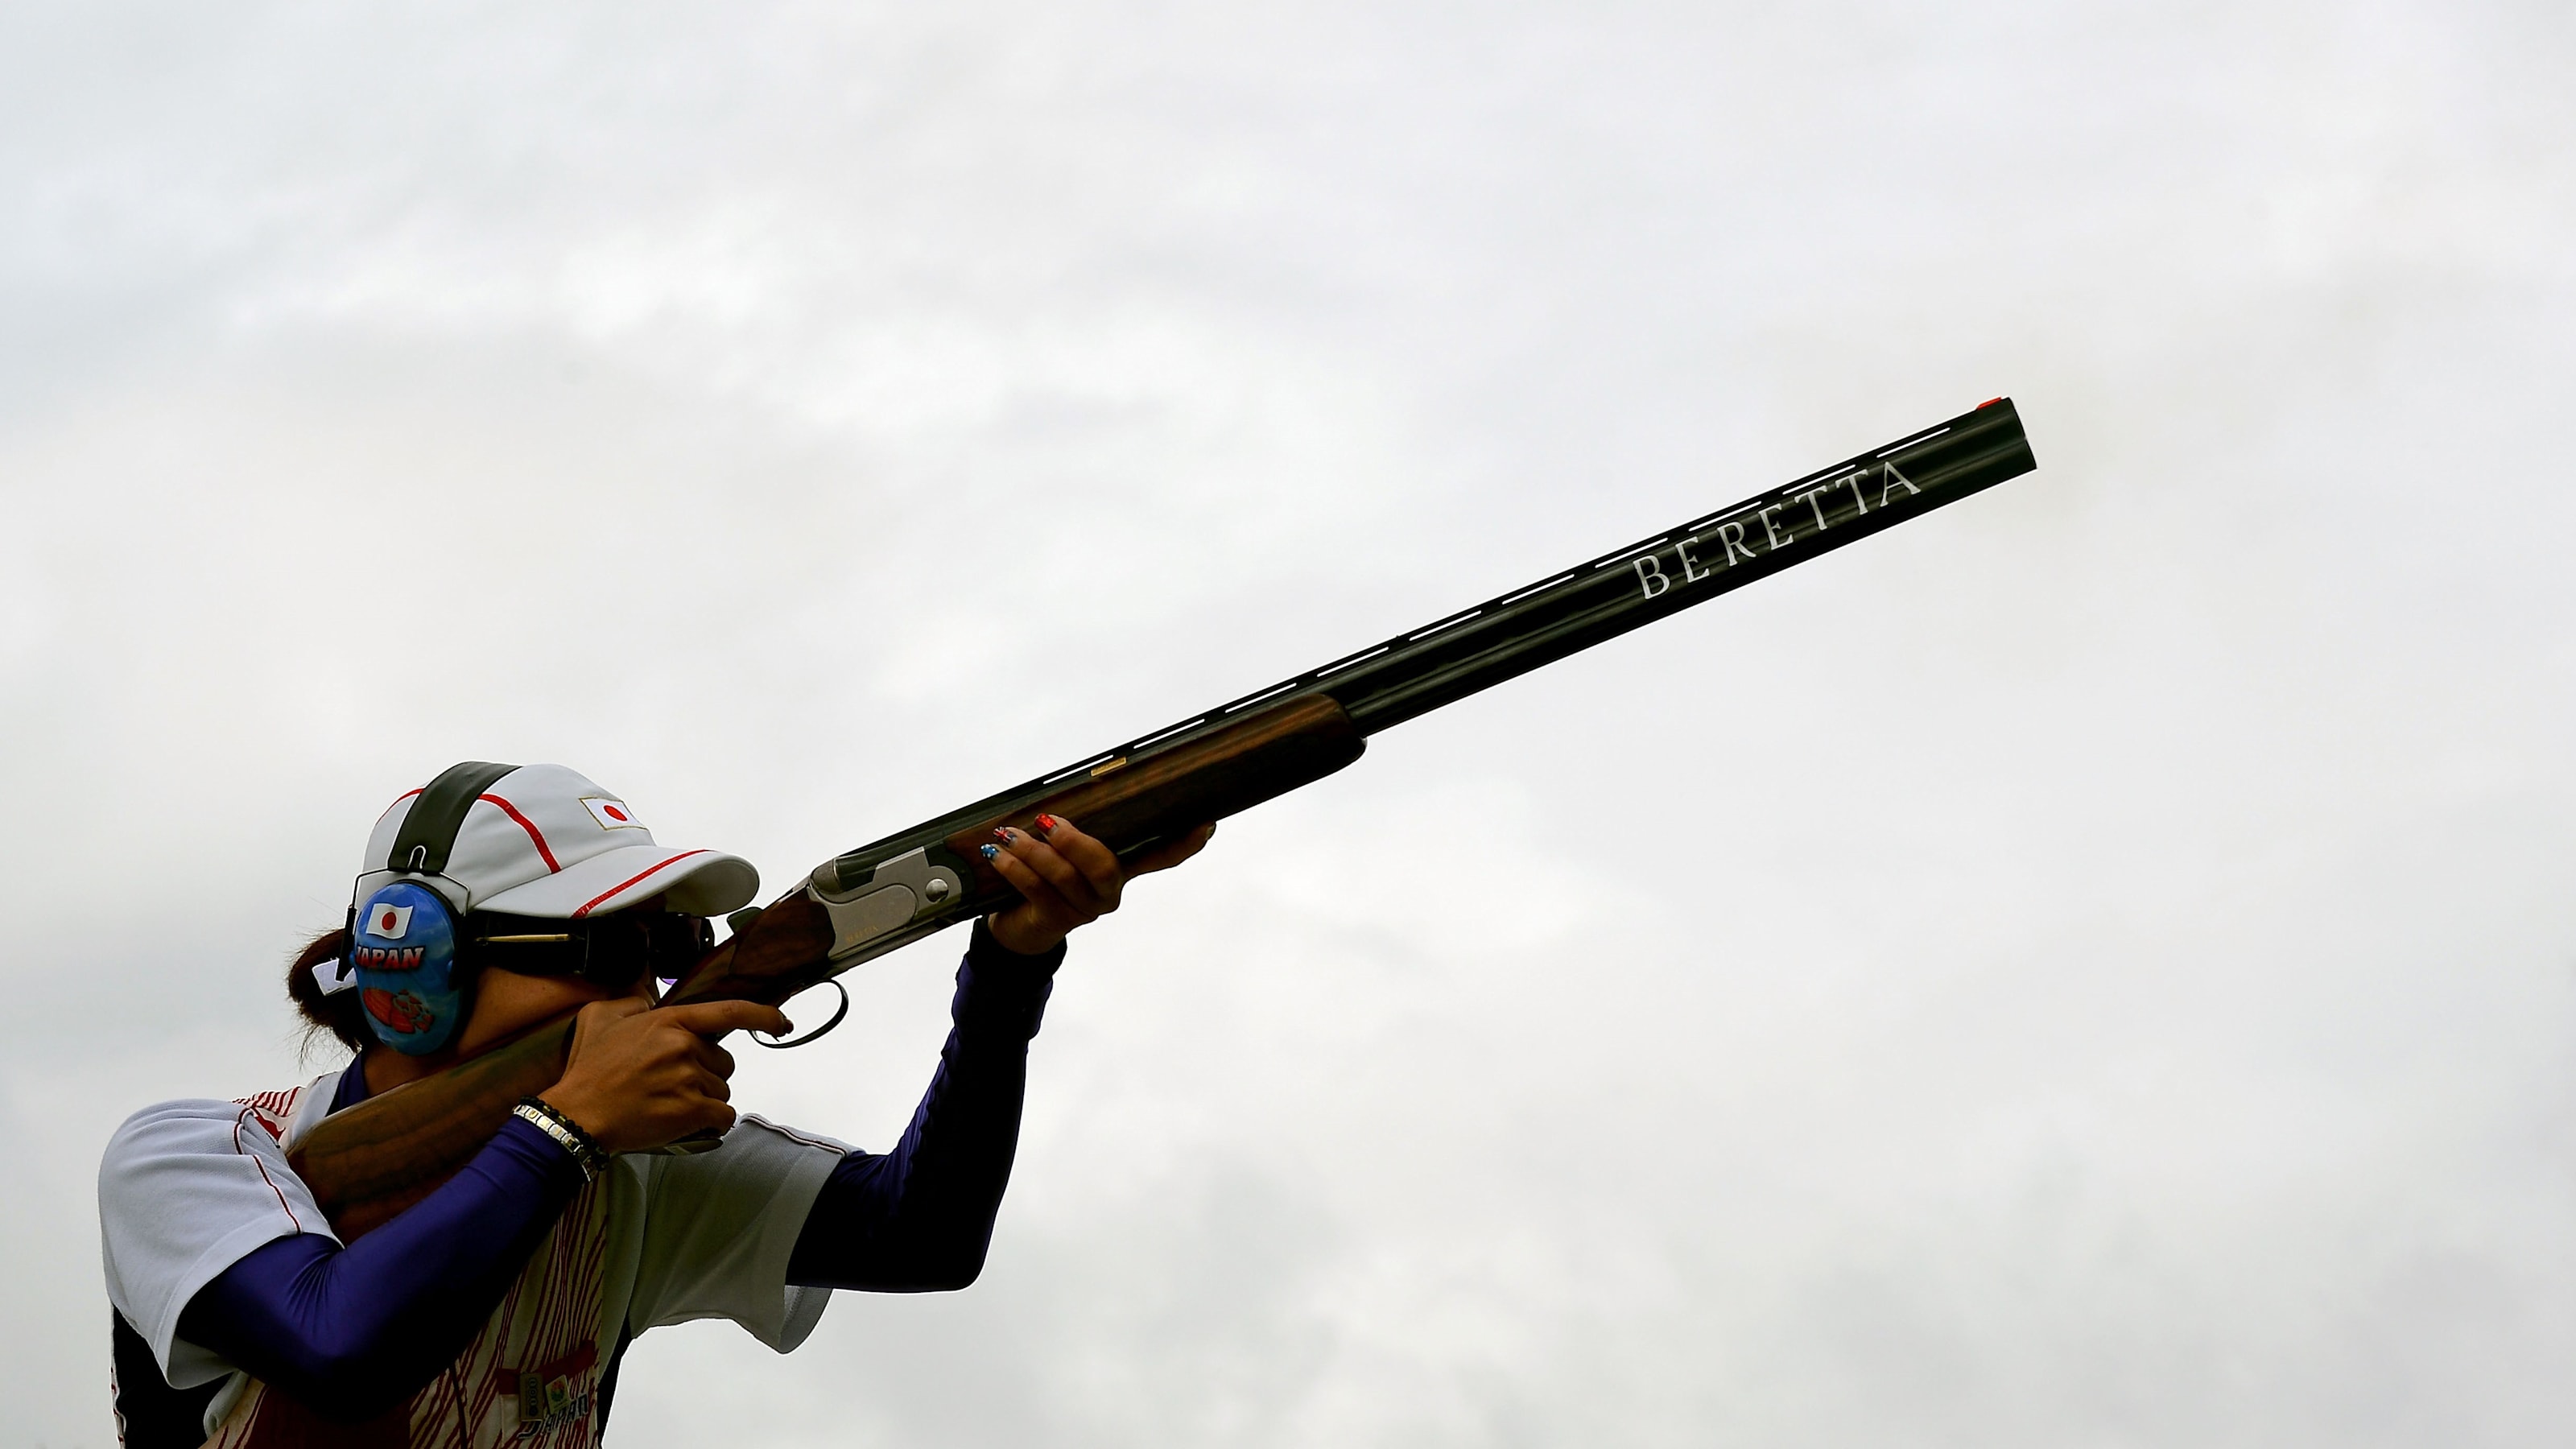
403	937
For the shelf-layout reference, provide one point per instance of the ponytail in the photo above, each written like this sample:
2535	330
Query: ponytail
339	1014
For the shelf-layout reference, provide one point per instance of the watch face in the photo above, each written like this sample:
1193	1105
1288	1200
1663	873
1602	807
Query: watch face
404	949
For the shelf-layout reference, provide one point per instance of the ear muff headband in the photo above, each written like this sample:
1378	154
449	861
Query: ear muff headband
428	833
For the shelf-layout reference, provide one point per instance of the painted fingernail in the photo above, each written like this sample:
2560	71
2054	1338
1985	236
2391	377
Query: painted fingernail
1047	824
991	850
1003	835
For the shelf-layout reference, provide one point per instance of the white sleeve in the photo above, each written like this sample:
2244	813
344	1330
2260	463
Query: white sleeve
187	1189
719	1228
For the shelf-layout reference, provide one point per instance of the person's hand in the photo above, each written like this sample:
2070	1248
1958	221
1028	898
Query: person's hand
1067	879
638	1078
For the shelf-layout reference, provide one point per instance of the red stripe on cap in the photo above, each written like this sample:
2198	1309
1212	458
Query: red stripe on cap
527	825
394	804
630	880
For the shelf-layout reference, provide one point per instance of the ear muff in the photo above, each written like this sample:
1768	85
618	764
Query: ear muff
403	937
403	946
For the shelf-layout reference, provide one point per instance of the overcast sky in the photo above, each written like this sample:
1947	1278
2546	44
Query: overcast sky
2093	966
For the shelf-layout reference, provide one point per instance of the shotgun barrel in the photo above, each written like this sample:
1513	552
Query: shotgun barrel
1132	796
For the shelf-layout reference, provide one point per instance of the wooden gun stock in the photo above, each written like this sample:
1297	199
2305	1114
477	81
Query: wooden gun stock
368	1163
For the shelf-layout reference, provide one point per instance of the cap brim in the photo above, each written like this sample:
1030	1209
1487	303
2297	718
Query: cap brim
699	882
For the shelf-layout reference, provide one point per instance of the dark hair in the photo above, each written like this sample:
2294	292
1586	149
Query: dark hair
340	1014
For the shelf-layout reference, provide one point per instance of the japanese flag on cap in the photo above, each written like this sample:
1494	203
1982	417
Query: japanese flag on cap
543	840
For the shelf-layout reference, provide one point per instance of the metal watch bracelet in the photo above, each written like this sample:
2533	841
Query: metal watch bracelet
584	1148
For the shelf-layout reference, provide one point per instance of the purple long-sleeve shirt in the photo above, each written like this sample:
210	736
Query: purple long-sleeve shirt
352	1330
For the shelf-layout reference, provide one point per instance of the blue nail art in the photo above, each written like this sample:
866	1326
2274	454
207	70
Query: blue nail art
991	850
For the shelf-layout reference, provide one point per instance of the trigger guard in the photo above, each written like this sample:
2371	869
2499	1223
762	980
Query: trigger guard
817	1033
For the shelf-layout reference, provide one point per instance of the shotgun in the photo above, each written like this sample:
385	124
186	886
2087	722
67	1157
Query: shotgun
371	1161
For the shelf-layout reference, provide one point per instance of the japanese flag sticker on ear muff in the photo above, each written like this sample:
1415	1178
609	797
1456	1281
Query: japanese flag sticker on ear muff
403	945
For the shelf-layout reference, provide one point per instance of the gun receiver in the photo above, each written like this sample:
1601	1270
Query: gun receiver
369	1162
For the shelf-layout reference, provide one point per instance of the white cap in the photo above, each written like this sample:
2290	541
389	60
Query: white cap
545	841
